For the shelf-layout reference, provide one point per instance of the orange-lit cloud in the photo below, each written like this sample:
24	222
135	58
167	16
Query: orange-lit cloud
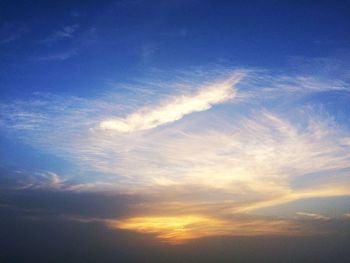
179	229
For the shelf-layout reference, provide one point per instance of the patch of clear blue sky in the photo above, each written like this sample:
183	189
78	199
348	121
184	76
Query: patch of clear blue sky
120	40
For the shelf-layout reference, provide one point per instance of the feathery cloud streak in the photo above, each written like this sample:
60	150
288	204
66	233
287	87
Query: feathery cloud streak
176	108
313	216
229	160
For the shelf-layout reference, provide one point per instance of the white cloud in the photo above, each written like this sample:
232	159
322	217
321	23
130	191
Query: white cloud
176	108
261	84
312	216
248	160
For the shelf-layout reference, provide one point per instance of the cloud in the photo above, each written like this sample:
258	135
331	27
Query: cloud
34	180
118	214
58	56
180	229
148	50
10	32
45	180
63	33
261	85
78	40
312	216
176	108
224	161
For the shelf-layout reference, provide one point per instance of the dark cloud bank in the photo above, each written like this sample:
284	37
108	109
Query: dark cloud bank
41	226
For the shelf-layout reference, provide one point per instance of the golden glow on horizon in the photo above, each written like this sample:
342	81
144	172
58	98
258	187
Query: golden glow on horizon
172	230
180	229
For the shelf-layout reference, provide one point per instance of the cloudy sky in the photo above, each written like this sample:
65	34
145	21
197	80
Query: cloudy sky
169	128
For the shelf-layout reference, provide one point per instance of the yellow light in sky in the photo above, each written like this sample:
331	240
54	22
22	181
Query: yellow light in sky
172	230
179	229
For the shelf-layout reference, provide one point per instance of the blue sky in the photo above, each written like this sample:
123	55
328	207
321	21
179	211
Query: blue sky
70	47
231	116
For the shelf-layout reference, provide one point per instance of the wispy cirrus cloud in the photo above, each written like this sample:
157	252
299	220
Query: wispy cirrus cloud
60	56
68	32
222	161
44	180
31	180
10	32
65	32
176	108
313	216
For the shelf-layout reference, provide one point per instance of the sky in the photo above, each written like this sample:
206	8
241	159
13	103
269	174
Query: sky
174	131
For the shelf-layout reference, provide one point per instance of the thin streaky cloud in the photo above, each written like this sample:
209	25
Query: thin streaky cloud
313	216
45	180
261	153
63	33
176	108
58	56
10	32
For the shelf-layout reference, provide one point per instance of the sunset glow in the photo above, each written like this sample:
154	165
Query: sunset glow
179	229
175	131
